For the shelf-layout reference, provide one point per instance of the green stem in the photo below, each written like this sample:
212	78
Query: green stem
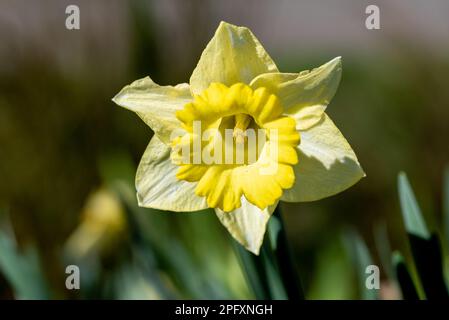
254	272
282	253
272	274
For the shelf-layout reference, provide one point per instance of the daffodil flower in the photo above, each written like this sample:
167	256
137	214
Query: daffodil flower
236	86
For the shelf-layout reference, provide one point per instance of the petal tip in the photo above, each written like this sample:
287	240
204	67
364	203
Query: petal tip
224	24
115	99
335	64
336	60
255	250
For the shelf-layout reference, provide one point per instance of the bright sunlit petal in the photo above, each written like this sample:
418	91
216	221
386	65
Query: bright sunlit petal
327	164
247	224
157	185
155	104
306	95
233	55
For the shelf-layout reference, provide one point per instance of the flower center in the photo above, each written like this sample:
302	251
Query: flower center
241	140
242	122
236	143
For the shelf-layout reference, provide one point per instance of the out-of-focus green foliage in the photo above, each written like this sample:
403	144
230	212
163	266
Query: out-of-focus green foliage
425	246
272	274
409	288
424	275
334	275
414	223
361	259
21	268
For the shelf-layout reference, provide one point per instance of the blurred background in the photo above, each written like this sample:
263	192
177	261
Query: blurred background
68	155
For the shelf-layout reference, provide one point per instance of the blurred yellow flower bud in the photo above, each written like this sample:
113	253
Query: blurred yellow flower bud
102	227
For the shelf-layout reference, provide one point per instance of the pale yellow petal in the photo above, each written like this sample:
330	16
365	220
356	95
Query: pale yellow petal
305	95
326	164
155	104
247	224
157	185
233	55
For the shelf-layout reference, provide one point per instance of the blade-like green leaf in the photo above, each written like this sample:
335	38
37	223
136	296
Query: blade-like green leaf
262	272
281	250
253	271
22	270
426	248
272	274
429	264
404	279
362	259
413	219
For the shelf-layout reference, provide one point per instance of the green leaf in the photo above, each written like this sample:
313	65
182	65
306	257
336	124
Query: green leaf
429	264
272	274
22	270
281	251
253	270
414	222
262	272
362	259
404	279
425	247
